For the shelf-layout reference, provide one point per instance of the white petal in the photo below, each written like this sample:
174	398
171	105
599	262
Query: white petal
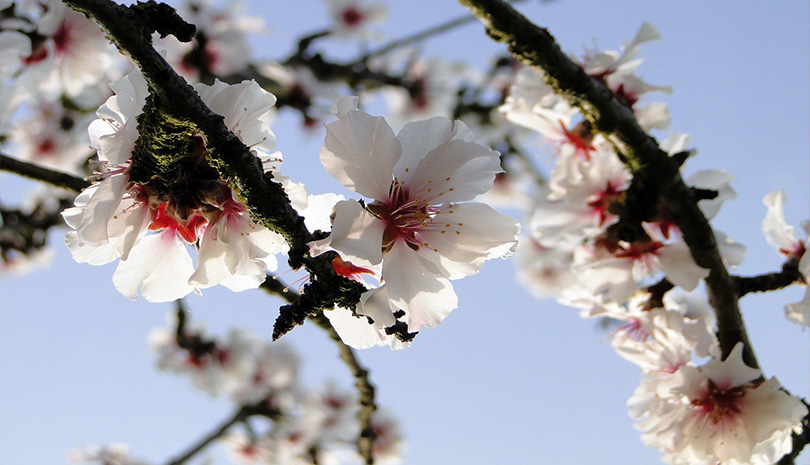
418	138
344	105
159	265
376	304
360	151
416	286
776	230
355	331
455	172
100	209
717	180
466	235
87	253
679	266
357	234
799	312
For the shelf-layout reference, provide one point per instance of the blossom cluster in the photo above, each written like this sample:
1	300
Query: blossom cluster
448	146
288	422
720	411
149	225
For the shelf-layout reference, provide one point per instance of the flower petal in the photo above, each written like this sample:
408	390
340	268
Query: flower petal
360	151
467	235
160	265
357	234
455	171
417	286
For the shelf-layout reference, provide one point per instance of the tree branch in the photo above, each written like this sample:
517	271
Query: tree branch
38	173
438	29
790	274
130	29
656	178
366	390
240	415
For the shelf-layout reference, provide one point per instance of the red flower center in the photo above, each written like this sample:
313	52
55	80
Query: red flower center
718	404
351	17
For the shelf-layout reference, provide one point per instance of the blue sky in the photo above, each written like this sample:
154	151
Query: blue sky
506	379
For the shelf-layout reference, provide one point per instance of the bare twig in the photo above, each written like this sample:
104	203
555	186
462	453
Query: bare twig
419	36
240	415
790	274
365	389
38	173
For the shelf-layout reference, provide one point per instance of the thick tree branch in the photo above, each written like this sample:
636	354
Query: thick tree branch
656	178
38	173
130	28
365	389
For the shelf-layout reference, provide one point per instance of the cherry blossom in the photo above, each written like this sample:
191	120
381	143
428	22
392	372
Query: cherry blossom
414	226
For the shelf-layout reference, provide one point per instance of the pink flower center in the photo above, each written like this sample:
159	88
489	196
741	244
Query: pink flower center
633	330
580	137
603	200
639	250
718	404
403	216
61	38
352	17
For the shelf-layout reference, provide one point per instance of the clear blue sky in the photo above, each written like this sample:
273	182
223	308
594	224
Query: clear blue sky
506	379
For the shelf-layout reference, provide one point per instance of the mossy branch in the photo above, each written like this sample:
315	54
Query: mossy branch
130	29
656	177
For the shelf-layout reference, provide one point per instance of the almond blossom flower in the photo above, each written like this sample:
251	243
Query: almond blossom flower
581	208
225	366
51	138
782	236
414	227
433	91
150	225
618	269
721	412
69	55
352	18
220	47
111	454
544	271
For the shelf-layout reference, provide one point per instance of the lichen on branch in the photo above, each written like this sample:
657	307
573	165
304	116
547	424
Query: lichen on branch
130	29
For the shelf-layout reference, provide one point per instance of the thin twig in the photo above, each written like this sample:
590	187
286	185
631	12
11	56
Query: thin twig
38	173
407	40
767	282
419	36
366	390
240	415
